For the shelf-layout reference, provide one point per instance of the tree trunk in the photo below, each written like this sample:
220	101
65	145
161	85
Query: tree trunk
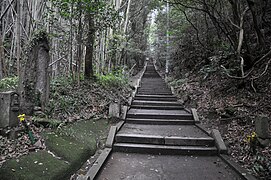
1	56
18	35
89	47
254	8
79	44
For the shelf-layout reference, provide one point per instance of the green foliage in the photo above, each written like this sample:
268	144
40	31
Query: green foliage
59	94
104	14
114	79
115	45
9	83
207	70
178	82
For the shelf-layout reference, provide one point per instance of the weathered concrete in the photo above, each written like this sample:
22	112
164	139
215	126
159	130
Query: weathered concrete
163	130
124	110
114	110
111	136
9	109
93	171
159	121
157	124
150	167
262	127
222	149
195	115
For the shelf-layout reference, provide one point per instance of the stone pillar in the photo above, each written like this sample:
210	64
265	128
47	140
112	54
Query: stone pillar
262	127
114	110
9	109
262	130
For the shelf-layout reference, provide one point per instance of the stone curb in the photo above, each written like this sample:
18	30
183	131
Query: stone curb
222	149
124	110
203	129
237	168
111	137
195	115
95	168
119	125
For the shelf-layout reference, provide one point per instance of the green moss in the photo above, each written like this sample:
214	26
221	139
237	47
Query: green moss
10	83
74	144
87	132
37	165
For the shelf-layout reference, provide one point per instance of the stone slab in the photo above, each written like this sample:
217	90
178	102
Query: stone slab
191	141
164	149
166	167
195	115
222	149
94	170
124	110
114	110
111	137
9	109
159	121
262	127
119	125
163	130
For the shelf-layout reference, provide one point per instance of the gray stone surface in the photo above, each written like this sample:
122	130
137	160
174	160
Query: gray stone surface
195	115
184	150
111	137
93	171
262	127
114	110
163	130
124	110
9	109
156	112
219	141
152	167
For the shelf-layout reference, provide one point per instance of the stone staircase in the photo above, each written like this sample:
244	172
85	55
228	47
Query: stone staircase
156	123
160	139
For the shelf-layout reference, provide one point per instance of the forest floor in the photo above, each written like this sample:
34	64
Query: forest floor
232	107
73	128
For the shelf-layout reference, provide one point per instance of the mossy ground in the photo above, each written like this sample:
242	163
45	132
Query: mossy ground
72	144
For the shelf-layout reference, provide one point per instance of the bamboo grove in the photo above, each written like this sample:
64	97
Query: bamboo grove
86	36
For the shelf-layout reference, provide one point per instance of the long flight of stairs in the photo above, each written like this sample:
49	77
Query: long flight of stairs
156	123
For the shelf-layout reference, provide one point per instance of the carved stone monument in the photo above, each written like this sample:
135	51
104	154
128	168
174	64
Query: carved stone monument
34	74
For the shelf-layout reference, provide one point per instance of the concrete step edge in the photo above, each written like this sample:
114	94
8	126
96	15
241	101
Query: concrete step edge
165	140
164	149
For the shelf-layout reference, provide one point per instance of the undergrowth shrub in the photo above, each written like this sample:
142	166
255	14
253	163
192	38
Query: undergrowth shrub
9	83
115	79
60	95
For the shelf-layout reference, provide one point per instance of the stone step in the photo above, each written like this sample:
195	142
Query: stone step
156	93
160	121
154	88
157	107
164	149
148	84
155	103
164	140
160	114
155	97
191	131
